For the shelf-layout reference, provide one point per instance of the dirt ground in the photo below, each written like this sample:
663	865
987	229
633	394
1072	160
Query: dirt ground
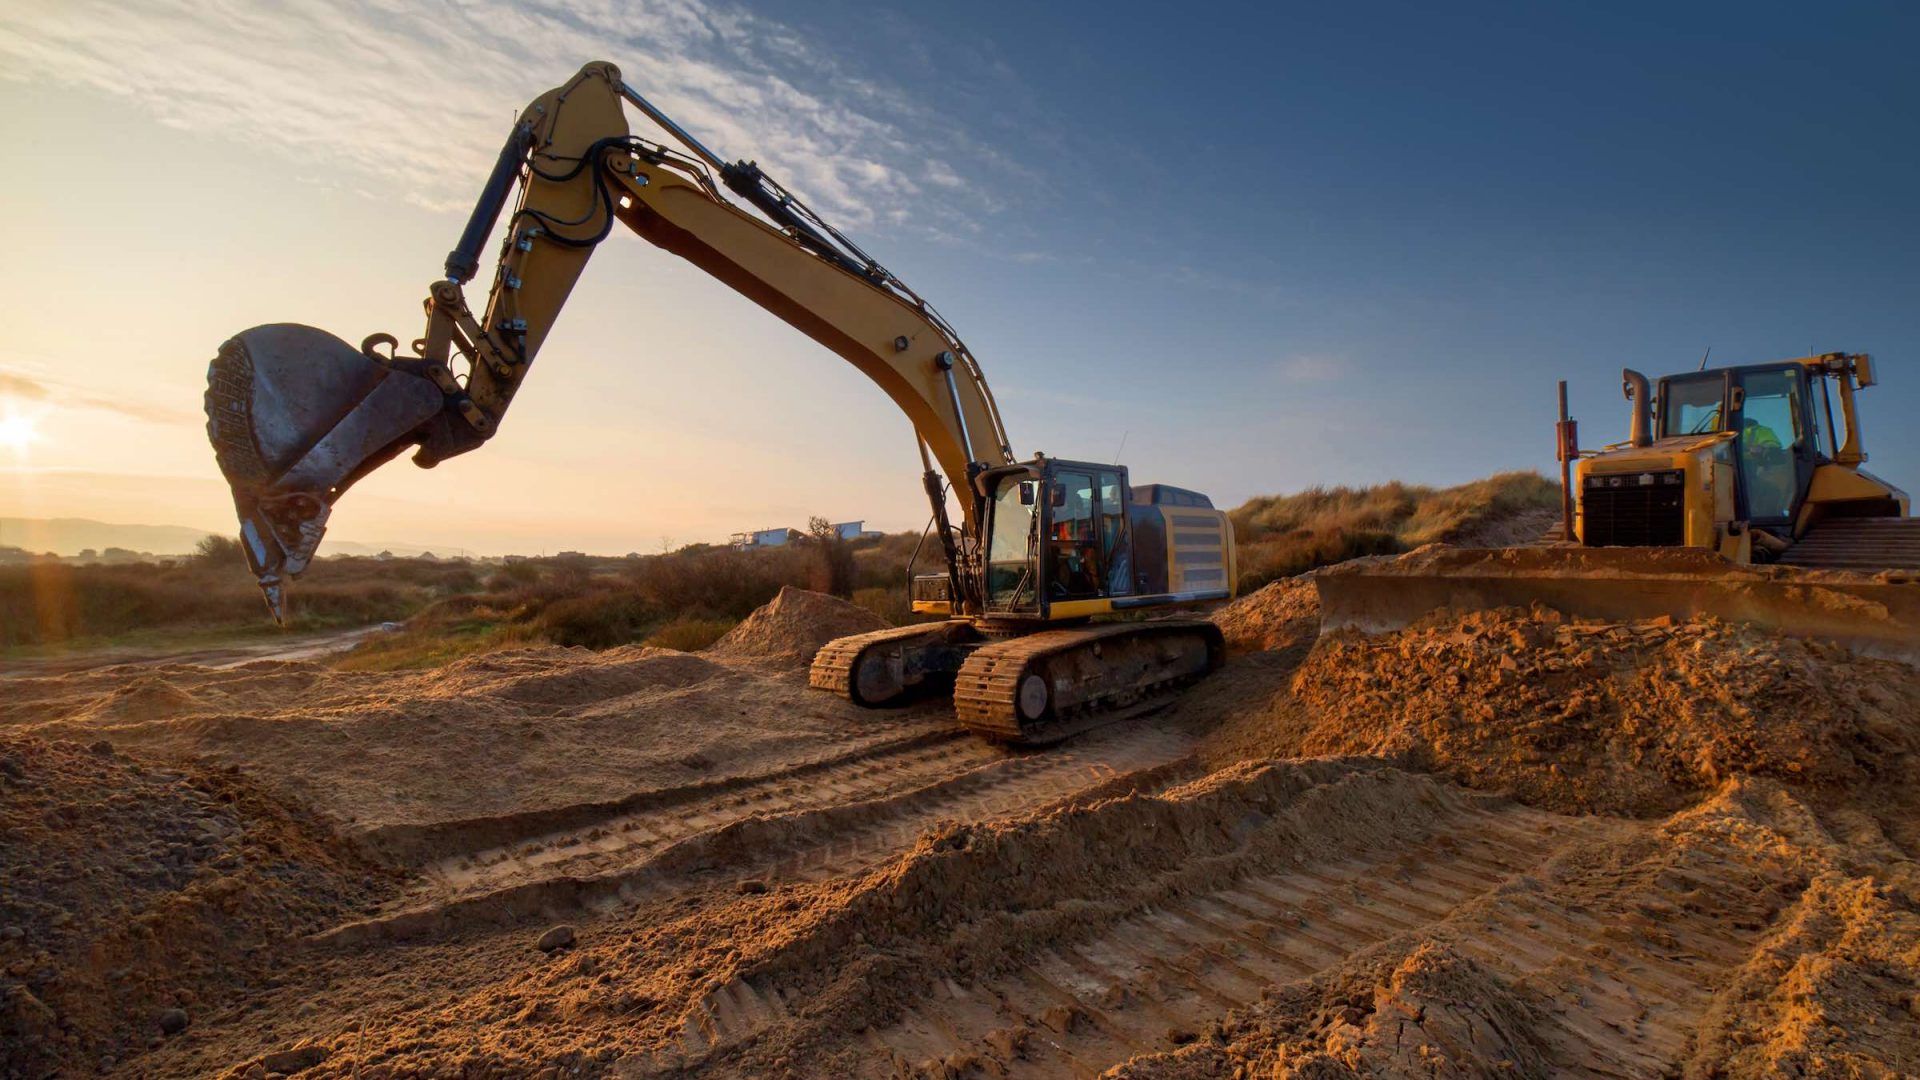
1500	844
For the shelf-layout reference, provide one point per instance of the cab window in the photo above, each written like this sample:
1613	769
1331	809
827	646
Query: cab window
1769	434
1073	540
1113	535
1693	406
1010	550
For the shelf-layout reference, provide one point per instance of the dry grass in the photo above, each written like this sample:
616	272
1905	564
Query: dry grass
684	600
690	634
47	604
1283	535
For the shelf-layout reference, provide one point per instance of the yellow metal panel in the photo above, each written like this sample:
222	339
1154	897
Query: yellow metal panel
1079	609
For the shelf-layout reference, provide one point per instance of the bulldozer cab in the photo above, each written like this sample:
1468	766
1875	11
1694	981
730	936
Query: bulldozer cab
1774	412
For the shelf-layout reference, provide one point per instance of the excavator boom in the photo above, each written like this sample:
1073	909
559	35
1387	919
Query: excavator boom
296	415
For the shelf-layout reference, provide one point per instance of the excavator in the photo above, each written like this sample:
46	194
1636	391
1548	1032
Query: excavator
1736	494
1045	546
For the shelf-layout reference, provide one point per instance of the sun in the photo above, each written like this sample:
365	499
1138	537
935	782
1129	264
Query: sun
18	431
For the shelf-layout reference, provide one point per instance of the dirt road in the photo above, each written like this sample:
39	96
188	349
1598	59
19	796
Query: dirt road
220	657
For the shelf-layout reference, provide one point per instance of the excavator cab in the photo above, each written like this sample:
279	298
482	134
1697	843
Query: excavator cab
1073	539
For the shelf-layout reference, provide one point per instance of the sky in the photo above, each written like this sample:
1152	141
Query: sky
1246	250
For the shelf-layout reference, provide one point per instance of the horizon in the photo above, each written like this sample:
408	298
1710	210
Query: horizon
1312	248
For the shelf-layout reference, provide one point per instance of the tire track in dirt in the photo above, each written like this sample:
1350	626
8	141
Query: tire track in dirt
846	820
1619	993
584	840
1161	978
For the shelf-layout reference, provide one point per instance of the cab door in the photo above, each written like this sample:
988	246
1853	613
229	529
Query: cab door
1774	448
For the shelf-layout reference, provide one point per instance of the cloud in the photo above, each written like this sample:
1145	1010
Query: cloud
1311	368
416	98
22	387
29	387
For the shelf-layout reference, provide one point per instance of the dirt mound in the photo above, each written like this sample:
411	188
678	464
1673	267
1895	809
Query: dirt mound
572	677
793	626
1635	717
133	890
1426	1012
1278	616
1831	992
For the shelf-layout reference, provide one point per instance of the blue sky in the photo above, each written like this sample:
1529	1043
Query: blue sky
1269	246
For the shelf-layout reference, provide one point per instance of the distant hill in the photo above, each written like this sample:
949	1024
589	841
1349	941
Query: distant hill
71	536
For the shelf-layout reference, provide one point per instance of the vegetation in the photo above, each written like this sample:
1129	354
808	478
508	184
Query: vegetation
1283	535
48	603
683	600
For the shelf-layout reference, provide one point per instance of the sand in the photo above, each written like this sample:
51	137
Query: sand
1491	845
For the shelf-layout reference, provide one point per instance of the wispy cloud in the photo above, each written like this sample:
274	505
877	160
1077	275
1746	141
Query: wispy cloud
417	97
1311	368
42	390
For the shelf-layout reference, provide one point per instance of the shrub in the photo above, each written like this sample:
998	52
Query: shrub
690	634
597	619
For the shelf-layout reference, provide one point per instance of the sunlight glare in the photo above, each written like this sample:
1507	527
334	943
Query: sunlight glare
18	431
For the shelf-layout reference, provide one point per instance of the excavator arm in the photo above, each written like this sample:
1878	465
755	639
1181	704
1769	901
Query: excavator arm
296	415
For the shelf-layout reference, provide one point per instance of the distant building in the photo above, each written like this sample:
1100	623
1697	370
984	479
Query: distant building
853	530
766	538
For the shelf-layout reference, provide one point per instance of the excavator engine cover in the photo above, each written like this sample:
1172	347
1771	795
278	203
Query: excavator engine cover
295	416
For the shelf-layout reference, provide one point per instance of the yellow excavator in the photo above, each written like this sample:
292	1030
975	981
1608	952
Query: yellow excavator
1045	545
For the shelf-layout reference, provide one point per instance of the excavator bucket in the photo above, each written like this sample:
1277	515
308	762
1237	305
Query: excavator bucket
296	415
1877	613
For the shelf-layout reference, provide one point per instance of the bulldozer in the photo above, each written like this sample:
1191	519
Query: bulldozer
1738	493
1747	461
1053	604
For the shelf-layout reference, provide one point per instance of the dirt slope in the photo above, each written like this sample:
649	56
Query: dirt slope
133	893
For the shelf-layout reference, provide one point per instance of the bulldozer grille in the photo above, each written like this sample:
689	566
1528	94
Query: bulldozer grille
1634	510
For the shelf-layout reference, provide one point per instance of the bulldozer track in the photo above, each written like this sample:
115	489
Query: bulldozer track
823	826
1163	977
1864	544
986	694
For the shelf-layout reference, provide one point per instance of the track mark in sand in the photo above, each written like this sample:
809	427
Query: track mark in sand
709	844
1622	995
1163	977
624	838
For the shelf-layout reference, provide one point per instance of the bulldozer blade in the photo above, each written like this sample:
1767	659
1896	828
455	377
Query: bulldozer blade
296	415
1876	613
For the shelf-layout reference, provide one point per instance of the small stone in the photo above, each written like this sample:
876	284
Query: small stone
751	887
295	1059
173	1021
102	748
12	933
558	937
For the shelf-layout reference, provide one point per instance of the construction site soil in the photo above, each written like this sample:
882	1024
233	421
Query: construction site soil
1492	844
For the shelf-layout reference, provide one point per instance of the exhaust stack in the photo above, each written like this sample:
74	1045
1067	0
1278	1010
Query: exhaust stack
1634	386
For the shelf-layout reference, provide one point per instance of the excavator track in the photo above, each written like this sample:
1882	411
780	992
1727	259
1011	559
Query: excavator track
1863	544
891	666
1038	689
